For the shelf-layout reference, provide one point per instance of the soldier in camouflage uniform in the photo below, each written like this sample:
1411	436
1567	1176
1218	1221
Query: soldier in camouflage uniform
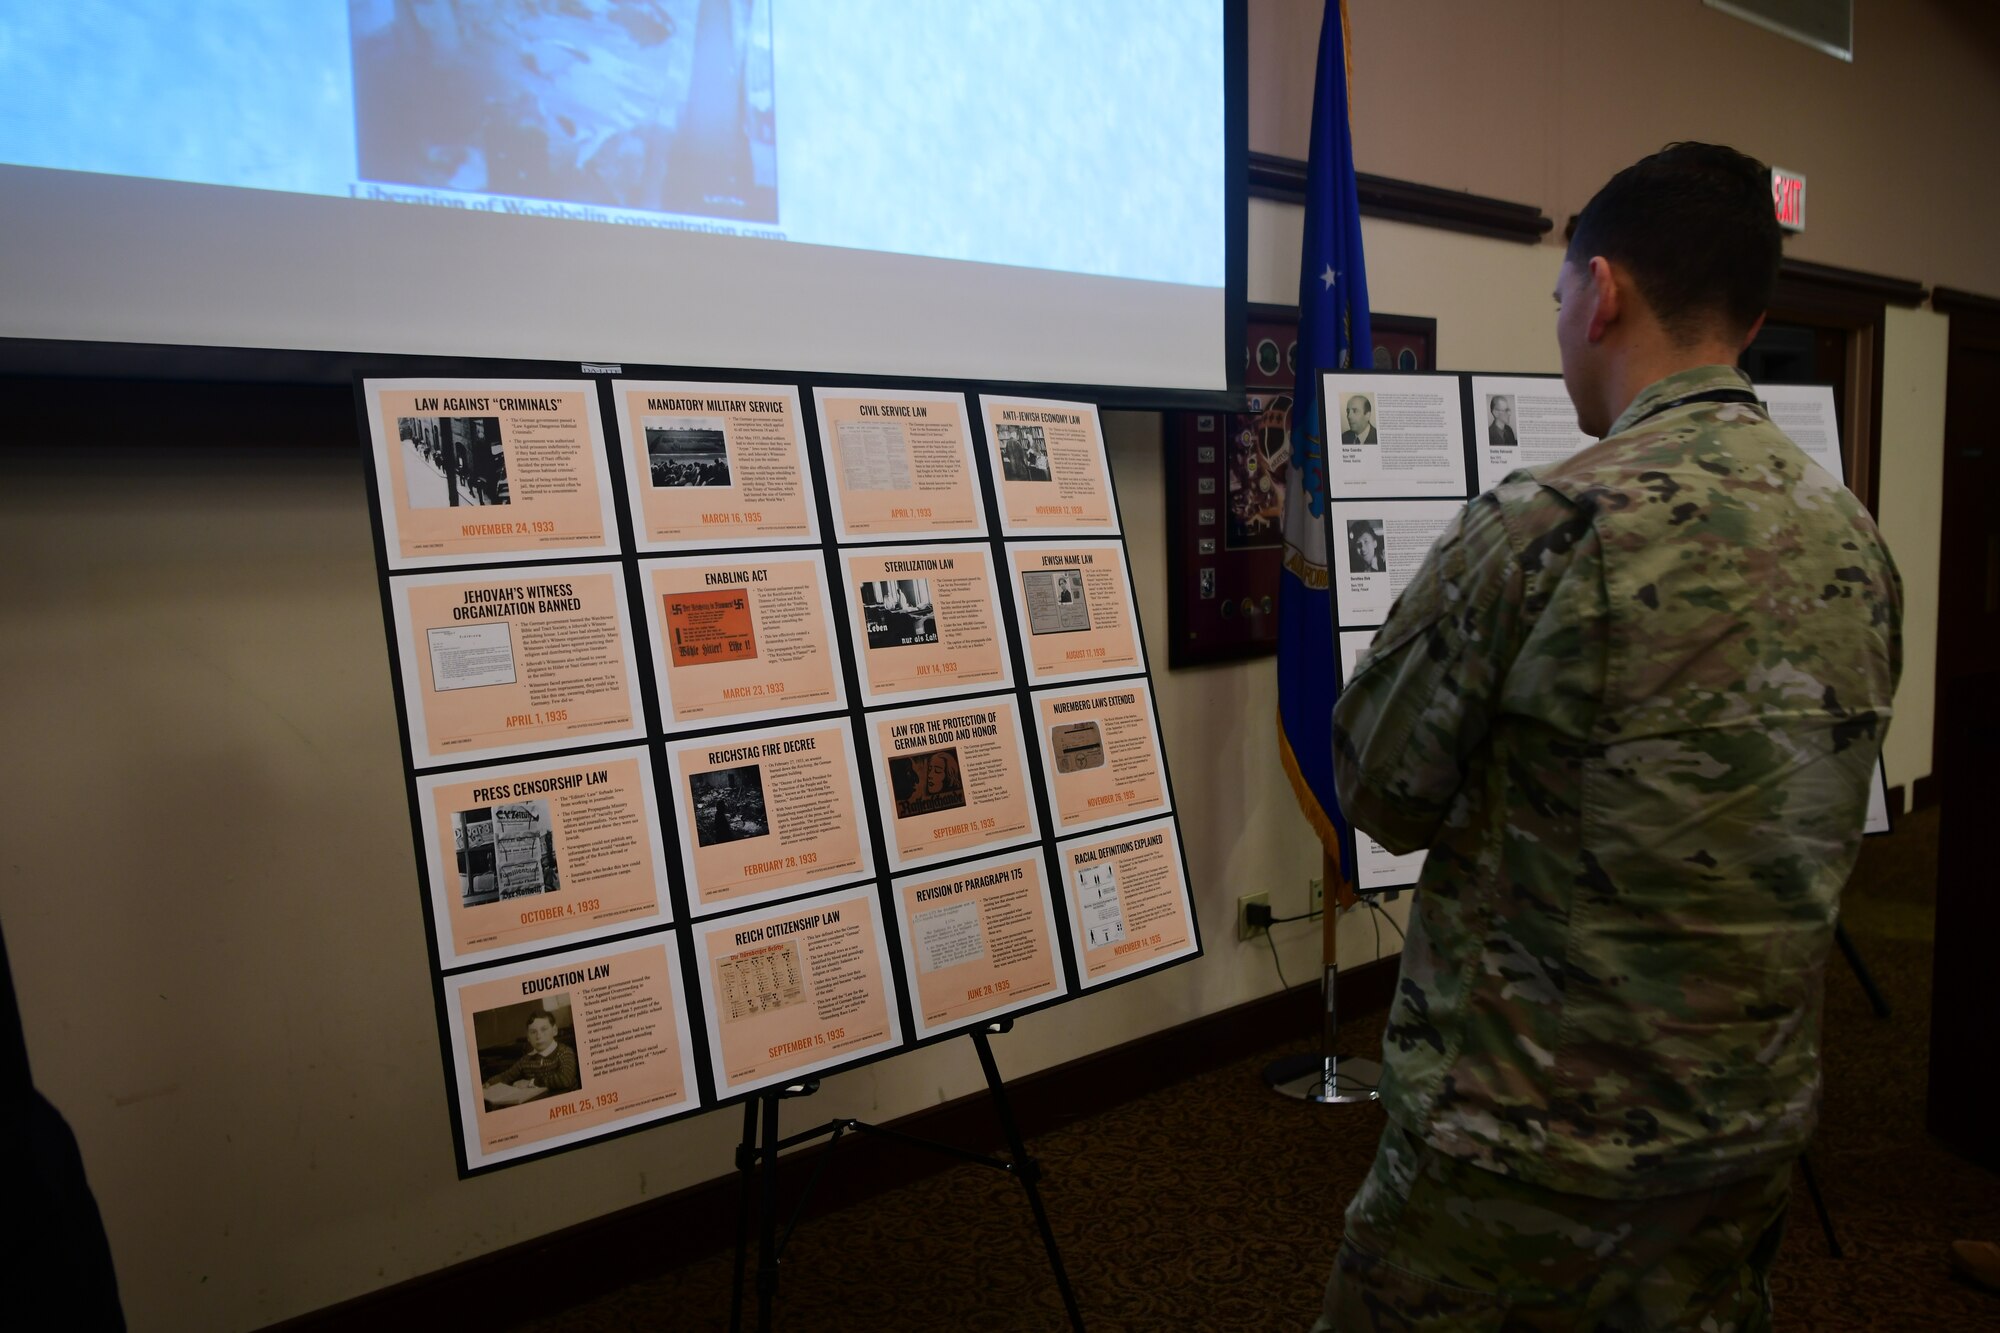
1632	705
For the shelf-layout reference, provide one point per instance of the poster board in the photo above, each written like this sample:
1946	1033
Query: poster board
814	726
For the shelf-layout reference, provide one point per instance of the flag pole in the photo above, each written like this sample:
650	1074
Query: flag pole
1329	1078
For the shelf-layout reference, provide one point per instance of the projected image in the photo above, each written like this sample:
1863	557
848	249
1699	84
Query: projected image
658	105
451	461
687	451
1024	453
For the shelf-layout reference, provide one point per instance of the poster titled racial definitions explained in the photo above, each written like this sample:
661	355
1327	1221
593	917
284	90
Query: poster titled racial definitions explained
758	729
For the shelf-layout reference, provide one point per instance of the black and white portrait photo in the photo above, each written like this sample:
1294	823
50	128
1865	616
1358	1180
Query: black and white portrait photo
1364	546
1357	415
729	805
1500	421
687	451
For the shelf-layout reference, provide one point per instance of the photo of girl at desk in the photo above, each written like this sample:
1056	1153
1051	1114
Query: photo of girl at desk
548	1065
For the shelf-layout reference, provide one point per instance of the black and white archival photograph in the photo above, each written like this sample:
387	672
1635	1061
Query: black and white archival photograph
1364	546
1024	453
1055	601
898	612
504	851
527	1051
687	451
926	782
729	805
1357	416
450	461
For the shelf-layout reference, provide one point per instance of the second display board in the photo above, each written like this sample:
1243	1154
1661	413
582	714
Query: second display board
756	730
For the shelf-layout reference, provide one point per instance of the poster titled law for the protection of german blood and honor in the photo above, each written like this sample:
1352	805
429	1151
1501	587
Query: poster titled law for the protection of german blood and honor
766	814
898	464
797	988
524	856
1128	900
951	777
515	661
979	940
740	636
926	621
1101	750
471	471
569	1047
1049	467
1074	602
714	464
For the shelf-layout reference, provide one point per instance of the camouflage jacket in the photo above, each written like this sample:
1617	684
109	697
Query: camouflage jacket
1632	704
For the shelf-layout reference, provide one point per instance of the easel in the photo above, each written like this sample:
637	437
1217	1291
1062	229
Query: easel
771	1245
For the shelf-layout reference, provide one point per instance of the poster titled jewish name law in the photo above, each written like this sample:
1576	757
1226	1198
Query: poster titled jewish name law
1521	421
978	940
472	471
715	464
898	464
795	989
1074	604
515	661
764	814
1393	436
1048	466
1101	751
1128	900
523	856
568	1048
951	778
925	621
740	636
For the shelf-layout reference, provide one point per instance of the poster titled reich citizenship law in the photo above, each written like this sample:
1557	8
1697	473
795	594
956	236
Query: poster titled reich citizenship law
474	471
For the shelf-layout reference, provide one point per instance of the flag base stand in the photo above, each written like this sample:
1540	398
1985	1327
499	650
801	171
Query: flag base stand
1334	1080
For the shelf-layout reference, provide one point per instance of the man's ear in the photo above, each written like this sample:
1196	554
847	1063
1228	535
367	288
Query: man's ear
1606	297
1756	327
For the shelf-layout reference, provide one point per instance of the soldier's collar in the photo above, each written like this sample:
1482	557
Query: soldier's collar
1703	384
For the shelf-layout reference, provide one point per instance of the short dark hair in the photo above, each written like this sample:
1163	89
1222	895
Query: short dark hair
1695	227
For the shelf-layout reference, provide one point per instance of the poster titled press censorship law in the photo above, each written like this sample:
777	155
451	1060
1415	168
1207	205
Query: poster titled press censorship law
756	730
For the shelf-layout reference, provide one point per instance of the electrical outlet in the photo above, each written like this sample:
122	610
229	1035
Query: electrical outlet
1316	894
1244	930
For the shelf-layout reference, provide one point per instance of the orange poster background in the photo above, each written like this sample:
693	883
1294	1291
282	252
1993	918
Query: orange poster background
971	647
704	627
1017	961
997	804
549	504
613	887
759	1044
1111	643
942	494
787	854
1077	494
637	977
795	662
1152	897
767	495
1128	779
545	703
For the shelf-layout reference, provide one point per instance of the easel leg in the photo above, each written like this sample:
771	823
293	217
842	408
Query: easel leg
767	1219
1027	1169
746	1167
1819	1205
1853	954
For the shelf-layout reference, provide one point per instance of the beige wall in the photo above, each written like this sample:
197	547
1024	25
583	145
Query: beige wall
209	895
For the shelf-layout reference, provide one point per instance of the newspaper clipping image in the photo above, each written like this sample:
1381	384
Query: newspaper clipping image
951	778
899	464
715	464
978	941
1128	899
735	637
1049	467
795	989
926	620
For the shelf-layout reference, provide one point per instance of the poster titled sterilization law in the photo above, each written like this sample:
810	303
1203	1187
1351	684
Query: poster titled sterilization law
1048	466
1101	751
898	464
1074	603
740	636
978	940
568	1048
951	778
715	464
1128	900
515	661
472	471
794	989
765	814
524	856
925	621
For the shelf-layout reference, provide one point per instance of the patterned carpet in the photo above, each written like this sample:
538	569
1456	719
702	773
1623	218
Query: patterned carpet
1215	1204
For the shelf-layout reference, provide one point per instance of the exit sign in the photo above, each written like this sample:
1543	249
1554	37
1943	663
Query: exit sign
1788	196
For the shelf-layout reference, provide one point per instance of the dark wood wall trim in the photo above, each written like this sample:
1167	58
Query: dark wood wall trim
584	1261
1952	301
1851	283
1283	179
